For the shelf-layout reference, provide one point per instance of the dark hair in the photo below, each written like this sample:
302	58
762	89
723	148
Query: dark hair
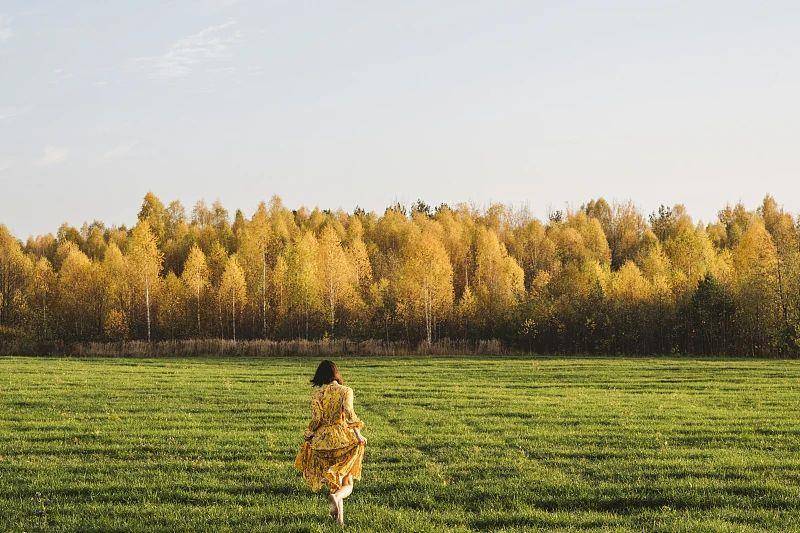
326	373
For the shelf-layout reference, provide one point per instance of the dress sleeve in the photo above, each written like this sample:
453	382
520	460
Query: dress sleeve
350	416
316	416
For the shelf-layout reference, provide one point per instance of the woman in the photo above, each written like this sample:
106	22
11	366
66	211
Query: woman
334	447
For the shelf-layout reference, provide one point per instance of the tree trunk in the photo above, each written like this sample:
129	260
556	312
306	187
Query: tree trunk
198	312
264	297
147	304
782	298
332	303
233	309
4	294
221	322
428	315
279	311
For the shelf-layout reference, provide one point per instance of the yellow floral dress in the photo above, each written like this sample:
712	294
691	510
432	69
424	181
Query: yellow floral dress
331	450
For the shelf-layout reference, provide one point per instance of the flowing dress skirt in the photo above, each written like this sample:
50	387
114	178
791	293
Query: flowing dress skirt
329	467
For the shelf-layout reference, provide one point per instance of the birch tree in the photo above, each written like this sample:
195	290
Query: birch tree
119	293
40	291
279	280
303	277
233	288
425	281
195	277
757	304
145	259
338	275
14	269
172	306
499	280
78	302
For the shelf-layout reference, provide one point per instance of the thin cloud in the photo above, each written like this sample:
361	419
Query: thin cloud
7	113
209	46
52	155
61	74
222	4
124	149
5	28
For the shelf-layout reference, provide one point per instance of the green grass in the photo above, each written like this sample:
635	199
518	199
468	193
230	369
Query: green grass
454	444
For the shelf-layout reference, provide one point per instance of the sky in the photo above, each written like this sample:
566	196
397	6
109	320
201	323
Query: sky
341	104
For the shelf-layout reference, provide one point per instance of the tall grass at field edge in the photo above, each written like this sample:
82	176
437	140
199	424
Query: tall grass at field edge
260	348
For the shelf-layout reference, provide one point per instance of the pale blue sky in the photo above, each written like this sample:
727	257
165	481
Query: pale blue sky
341	104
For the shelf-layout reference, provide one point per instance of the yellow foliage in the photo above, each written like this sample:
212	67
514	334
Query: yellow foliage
425	281
629	285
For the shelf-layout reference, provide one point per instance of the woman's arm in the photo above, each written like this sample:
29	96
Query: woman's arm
361	438
316	416
353	422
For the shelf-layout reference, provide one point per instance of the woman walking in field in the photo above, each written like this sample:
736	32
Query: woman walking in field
334	447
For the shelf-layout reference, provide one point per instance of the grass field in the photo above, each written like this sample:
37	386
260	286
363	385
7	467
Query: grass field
454	444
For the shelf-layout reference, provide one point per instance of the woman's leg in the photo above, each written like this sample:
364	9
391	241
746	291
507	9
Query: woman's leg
334	505
344	491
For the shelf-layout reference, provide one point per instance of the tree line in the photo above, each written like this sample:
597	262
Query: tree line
599	279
